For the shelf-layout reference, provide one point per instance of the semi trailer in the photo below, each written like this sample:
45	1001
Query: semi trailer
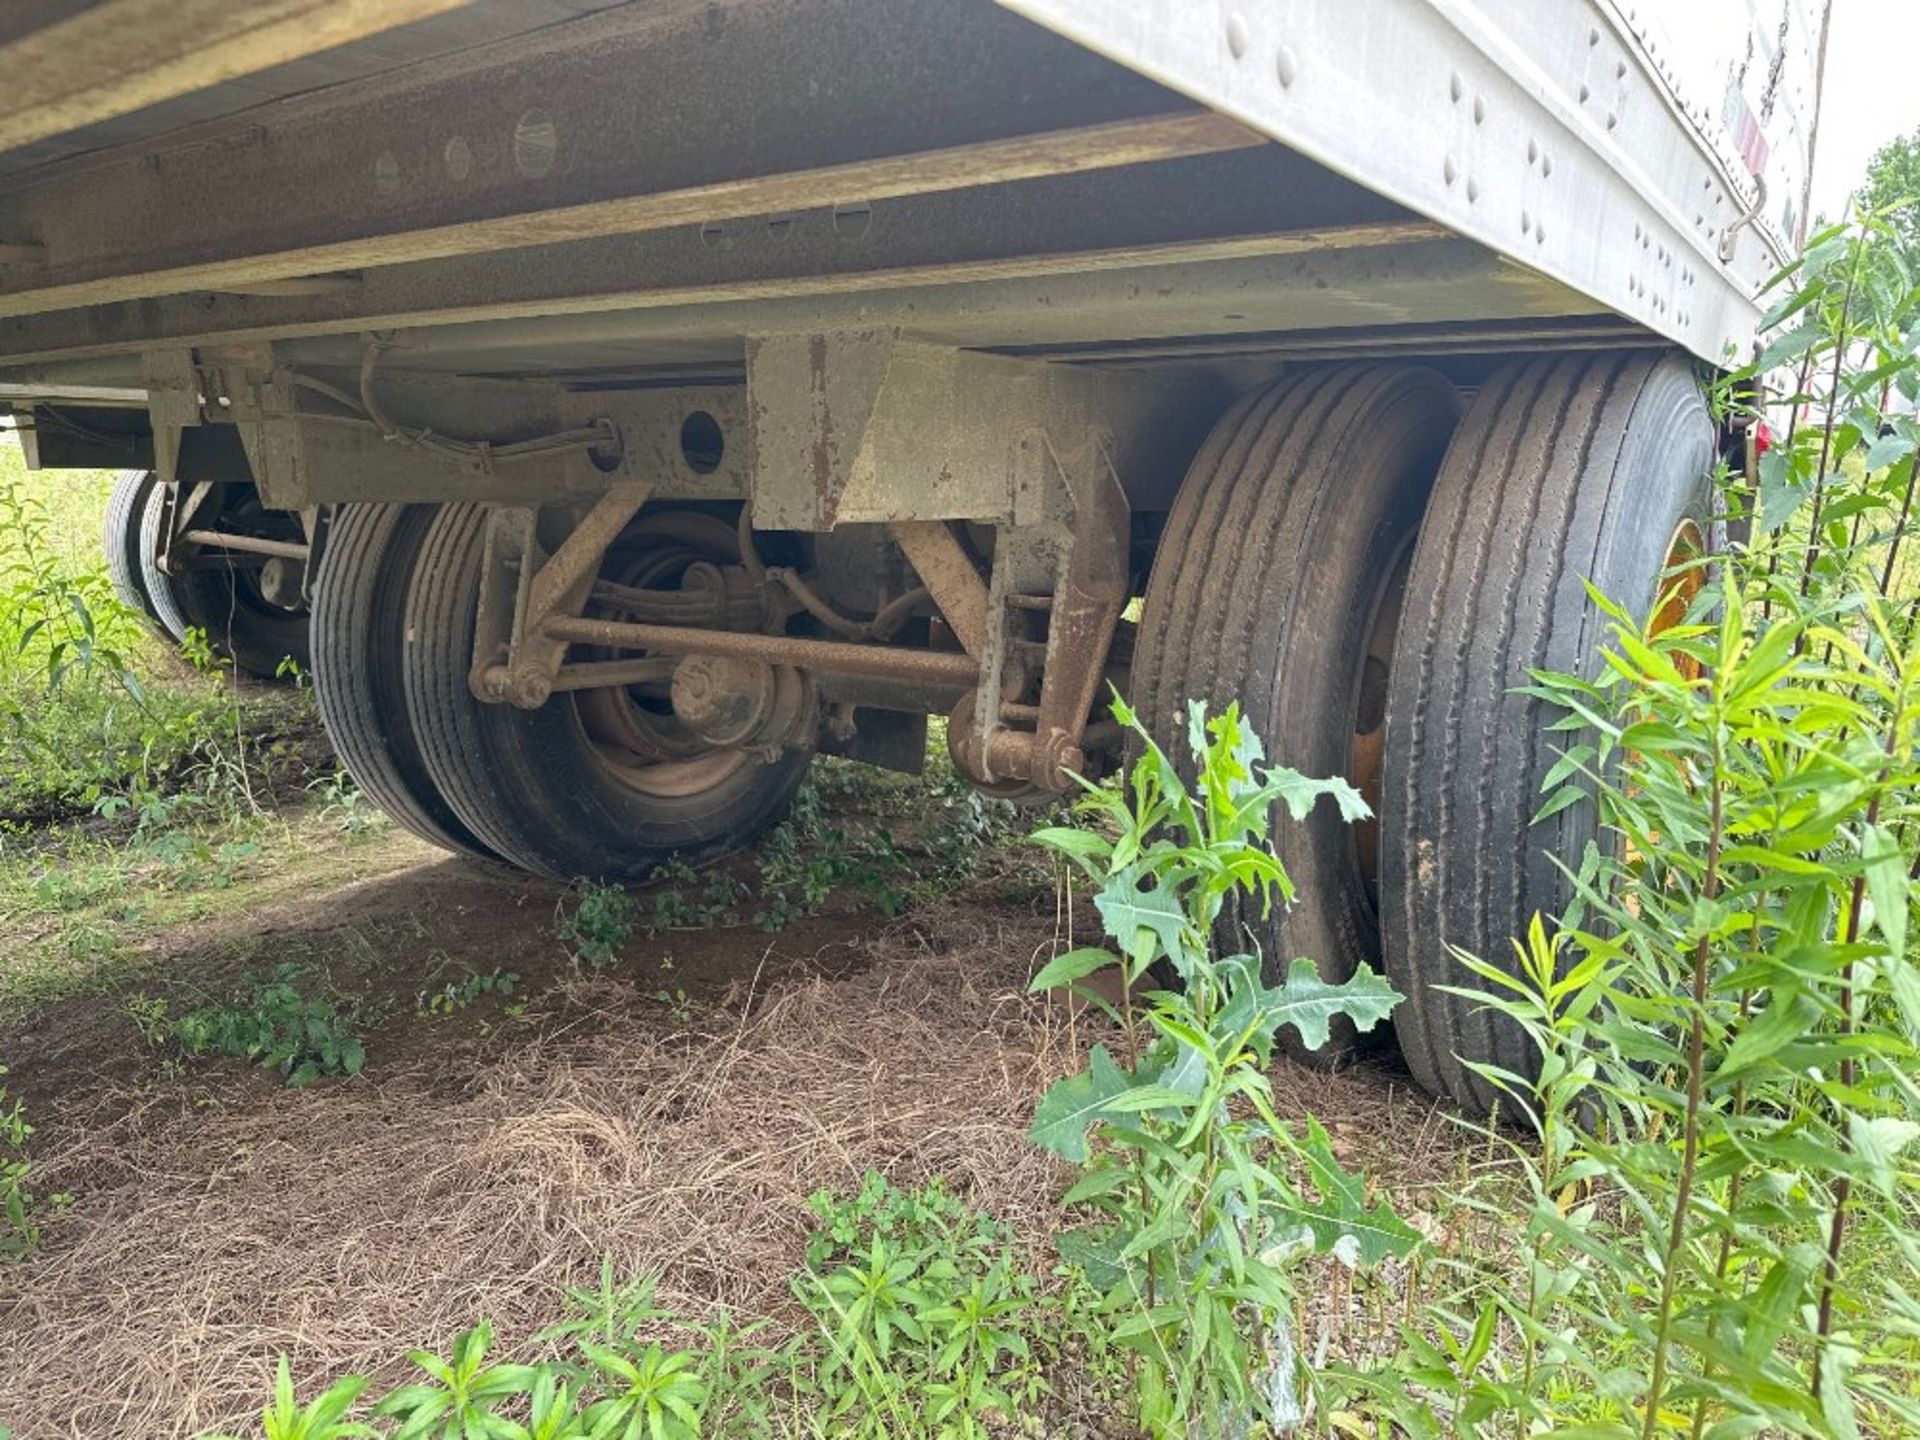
646	397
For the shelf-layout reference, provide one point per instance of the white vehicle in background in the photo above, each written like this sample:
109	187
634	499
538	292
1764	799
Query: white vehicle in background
700	386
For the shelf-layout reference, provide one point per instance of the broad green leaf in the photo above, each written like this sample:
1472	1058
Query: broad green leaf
1887	450
1306	1002
1342	1213
1095	1183
1071	1106
1903	979
1781	492
1081	844
1185	1070
1096	1250
1140	1098
1775	1301
1073	965
1783	349
1144	923
1786	1017
1299	792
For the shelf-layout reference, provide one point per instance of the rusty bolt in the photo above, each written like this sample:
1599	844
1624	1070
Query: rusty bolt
528	691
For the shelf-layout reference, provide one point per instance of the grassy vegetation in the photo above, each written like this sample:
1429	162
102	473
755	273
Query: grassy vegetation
92	702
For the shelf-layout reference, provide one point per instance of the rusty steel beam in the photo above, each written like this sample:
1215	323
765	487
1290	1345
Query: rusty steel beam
111	57
834	657
614	674
613	123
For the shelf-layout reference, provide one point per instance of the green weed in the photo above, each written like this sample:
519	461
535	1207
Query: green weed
276	1027
345	805
472	987
19	1227
89	700
925	1325
324	1418
926	1316
1717	1191
1201	1195
597	924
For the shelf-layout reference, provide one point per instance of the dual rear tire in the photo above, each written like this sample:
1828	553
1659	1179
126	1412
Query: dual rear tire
598	783
1373	574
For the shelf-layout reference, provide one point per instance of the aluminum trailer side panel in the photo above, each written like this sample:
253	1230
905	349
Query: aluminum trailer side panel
1549	130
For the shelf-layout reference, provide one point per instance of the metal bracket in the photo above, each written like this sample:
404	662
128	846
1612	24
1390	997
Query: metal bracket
1090	568
945	569
515	659
178	534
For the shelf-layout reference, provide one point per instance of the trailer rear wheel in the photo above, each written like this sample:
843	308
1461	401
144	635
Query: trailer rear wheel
1564	470
242	621
601	783
161	589
121	539
359	635
1277	584
224	600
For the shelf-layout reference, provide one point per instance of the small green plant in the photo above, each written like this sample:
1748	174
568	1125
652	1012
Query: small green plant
927	1317
925	1325
610	1313
650	1393
1200	1194
472	987
75	886
153	811
679	1004
79	711
946	829
460	1397
345	804
322	1419
680	897
278	1028
598	923
19	1229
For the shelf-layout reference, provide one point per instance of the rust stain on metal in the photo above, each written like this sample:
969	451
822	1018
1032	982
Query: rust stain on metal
823	499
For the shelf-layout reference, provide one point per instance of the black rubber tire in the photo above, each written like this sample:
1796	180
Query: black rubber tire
121	539
1564	469
241	627
358	636
530	783
161	589
1273	568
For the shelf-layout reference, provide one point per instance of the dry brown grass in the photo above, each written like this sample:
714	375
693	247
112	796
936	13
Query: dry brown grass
345	1223
349	1222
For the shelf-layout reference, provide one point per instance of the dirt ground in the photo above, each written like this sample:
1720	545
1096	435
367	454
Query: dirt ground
671	1112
